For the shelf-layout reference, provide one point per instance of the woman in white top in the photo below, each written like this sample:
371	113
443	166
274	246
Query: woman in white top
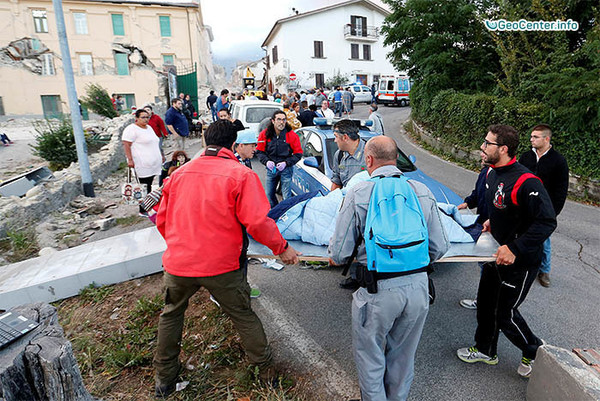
142	149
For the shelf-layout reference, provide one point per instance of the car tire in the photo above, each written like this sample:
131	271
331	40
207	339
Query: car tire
402	103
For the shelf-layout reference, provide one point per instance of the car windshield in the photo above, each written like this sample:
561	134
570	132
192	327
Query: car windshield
257	114
403	163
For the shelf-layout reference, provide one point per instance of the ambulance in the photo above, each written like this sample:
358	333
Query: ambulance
393	89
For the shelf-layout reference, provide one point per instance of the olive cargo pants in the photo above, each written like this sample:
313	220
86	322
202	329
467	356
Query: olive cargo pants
232	292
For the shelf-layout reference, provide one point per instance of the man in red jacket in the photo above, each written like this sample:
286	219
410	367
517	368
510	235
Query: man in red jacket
158	125
205	232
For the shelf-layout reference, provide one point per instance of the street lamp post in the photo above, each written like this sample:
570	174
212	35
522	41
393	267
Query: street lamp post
82	157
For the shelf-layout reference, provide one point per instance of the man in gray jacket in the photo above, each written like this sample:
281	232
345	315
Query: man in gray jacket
387	325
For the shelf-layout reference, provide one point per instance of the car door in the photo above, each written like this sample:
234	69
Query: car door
307	178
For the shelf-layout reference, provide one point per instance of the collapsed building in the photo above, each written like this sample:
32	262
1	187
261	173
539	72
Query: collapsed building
128	47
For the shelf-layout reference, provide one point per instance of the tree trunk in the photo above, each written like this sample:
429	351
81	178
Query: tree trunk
41	365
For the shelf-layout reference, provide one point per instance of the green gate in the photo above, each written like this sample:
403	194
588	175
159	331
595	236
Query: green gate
187	82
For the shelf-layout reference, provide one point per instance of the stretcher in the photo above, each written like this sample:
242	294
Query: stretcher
480	251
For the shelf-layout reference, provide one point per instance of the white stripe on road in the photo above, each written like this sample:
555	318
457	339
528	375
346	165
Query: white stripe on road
329	373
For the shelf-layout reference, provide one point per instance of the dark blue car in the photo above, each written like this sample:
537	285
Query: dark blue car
314	171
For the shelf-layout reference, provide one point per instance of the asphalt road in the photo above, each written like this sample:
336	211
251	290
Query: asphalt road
307	317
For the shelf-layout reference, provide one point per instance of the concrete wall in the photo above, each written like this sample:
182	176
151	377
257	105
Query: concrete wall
20	88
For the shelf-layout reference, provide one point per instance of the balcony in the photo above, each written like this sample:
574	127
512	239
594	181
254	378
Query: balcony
364	33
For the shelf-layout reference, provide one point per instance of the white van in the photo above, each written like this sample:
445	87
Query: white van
394	89
252	112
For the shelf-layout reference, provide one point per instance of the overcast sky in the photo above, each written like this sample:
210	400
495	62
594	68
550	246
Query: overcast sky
240	26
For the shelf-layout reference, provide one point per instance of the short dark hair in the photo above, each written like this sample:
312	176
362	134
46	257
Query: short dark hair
373	107
506	136
175	100
312	107
224	92
226	110
545	128
212	92
138	112
221	133
147	107
347	127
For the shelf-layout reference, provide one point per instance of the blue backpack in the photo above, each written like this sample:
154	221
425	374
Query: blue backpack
396	236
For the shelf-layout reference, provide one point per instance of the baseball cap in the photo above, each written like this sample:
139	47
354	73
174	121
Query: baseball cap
246	137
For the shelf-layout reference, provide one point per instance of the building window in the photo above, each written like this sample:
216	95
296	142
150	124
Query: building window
52	106
40	21
165	25
358	25
318	49
275	57
129	99
366	52
118	25
122	63
81	27
319	80
85	64
168	59
36	44
48	64
354	51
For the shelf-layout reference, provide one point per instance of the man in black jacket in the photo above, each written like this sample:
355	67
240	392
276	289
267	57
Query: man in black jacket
545	162
521	217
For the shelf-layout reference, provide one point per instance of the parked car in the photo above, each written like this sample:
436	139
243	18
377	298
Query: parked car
362	94
314	171
252	112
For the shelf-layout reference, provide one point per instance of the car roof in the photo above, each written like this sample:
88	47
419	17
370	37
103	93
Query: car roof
327	130
257	103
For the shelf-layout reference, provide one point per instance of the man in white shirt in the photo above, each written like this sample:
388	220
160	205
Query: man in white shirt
325	111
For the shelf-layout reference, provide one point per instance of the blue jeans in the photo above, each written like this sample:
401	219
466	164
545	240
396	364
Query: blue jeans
338	109
546	257
213	112
273	178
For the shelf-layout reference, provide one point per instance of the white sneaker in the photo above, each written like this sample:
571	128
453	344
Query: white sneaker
468	303
215	301
526	367
472	355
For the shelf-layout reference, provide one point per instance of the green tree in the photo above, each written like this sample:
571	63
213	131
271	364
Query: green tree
98	101
442	44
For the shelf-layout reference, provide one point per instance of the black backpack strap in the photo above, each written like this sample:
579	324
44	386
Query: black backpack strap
359	241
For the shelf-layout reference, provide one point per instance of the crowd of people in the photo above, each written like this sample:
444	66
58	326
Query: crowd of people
517	202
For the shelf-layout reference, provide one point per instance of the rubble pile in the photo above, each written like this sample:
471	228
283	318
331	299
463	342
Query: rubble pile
66	185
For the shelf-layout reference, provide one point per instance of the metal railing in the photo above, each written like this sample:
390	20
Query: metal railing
366	32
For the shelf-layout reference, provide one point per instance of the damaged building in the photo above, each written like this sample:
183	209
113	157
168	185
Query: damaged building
125	46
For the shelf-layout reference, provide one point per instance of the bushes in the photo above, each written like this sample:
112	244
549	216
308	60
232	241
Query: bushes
462	120
99	101
55	144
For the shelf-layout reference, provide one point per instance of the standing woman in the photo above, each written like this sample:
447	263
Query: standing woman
142	149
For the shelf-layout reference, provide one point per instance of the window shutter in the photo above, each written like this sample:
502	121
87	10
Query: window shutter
354	51
165	25
117	23
122	63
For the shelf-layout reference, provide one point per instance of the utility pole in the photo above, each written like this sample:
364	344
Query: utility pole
82	157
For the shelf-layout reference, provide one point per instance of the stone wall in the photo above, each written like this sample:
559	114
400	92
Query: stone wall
578	186
55	194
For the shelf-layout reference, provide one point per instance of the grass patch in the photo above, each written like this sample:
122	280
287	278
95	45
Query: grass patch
128	221
19	244
113	331
94	294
